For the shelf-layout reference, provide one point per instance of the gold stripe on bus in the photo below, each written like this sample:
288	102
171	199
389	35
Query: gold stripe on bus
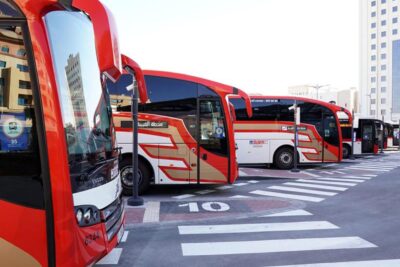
11	255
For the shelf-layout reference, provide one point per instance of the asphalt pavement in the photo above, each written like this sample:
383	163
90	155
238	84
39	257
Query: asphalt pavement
325	216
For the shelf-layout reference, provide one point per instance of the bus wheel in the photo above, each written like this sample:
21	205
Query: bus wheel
284	158
346	151
125	167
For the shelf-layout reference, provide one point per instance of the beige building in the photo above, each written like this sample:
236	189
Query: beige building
15	84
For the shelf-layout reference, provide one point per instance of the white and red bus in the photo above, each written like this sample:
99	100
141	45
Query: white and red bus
268	136
185	131
367	135
59	180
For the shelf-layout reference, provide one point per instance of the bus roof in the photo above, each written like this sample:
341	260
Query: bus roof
220	88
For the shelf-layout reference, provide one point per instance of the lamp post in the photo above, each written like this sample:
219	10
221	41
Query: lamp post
317	87
296	111
382	134
352	136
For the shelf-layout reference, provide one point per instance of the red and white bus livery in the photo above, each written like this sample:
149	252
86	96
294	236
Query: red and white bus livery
185	131
268	137
60	190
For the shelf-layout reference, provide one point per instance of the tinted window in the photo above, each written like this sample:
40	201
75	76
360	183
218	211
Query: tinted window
173	98
346	132
85	111
284	113
20	172
240	108
204	91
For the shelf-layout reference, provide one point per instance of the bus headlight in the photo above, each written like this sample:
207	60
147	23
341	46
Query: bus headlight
87	215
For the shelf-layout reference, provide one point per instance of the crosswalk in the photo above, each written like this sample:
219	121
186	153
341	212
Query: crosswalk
237	239
112	258
311	190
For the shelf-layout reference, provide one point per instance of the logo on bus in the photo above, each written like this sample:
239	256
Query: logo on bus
291	128
153	124
257	142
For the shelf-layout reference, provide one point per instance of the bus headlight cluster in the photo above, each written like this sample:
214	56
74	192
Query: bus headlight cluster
87	215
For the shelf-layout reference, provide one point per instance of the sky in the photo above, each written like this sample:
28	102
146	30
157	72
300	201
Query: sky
260	46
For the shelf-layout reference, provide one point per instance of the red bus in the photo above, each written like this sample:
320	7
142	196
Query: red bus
59	179
267	137
185	131
367	136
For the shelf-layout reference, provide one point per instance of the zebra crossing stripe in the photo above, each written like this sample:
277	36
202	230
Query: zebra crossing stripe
224	187
373	263
204	192
183	196
342	180
322	182
301	190
255	228
112	257
239	196
360	177
288	196
327	187
289	213
253	181
370	175
125	237
271	246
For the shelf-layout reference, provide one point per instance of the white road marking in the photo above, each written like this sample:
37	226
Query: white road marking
310	174
152	212
322	182
300	190
367	169
269	246
342	180
336	188
376	263
239	196
240	184
325	172
253	181
112	257
242	173
288	196
203	192
125	237
224	187
370	175
183	196
358	177
255	228
289	213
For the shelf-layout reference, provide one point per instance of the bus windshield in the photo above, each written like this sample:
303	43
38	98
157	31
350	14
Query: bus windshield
85	111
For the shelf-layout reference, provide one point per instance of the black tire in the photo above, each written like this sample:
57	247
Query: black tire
125	167
284	158
346	151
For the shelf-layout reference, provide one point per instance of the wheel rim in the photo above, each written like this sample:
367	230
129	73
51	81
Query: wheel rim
127	177
286	158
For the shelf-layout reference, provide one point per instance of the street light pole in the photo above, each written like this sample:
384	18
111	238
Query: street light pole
382	134
296	137
317	87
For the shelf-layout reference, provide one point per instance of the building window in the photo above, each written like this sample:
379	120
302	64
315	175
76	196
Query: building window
5	49
373	68
372	112
373	90
383	89
373	101
383	56
23	68
373	14
24	100
394	9
373	36
383	12
383	34
373	57
24	84
383	112
373	47
373	79
383	78
383	67
383	22
373	25
383	1
394	31
395	20
373	3
383	45
2	64
383	100
21	52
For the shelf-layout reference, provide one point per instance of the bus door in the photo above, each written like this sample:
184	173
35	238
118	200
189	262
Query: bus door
212	152
368	139
330	137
